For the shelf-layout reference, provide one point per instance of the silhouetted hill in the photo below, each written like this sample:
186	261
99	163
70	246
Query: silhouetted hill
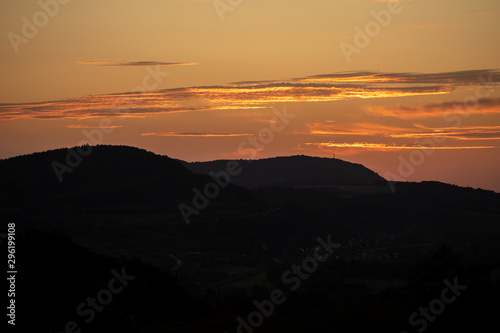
122	197
63	276
123	202
448	196
292	171
108	176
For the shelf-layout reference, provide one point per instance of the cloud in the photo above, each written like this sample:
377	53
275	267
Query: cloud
198	99
480	106
457	78
196	135
256	95
87	127
390	146
467	133
253	82
364	129
381	137
414	131
135	63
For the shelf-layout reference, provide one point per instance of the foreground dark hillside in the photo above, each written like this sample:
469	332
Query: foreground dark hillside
120	205
108	176
126	199
57	277
72	283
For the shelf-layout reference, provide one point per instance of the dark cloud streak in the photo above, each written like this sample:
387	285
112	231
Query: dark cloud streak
255	95
135	63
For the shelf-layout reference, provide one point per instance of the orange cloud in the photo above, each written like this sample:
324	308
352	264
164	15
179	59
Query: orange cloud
457	133
378	131
336	87
198	99
86	127
135	63
195	135
390	146
469	77
483	106
320	128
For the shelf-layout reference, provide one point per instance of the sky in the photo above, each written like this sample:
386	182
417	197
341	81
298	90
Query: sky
410	89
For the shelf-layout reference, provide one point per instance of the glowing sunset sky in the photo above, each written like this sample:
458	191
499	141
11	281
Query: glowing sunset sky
409	89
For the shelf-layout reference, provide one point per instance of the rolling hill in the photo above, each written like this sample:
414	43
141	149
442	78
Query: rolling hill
123	204
293	171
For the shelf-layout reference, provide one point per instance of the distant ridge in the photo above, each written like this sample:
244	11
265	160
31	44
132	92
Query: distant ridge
109	175
127	199
293	171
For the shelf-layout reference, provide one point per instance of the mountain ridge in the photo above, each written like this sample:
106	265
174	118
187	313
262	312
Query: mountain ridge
370	177
292	171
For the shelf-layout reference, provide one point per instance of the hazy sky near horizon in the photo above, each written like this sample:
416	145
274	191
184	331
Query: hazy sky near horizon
409	89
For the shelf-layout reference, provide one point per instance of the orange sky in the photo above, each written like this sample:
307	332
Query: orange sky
409	89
